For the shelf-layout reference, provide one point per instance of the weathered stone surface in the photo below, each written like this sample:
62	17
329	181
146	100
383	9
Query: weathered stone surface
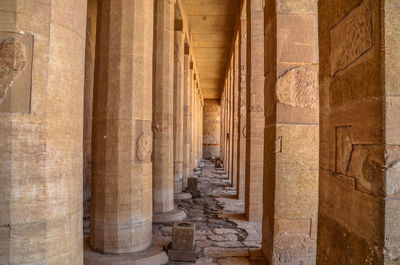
211	129
218	252
224	237
144	147
183	236
233	261
15	71
352	37
121	204
298	87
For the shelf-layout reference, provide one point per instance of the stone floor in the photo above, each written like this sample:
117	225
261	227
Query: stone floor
222	235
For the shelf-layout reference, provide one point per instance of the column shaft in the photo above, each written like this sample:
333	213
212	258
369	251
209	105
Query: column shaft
178	110
163	97
186	121
242	109
255	111
291	154
121	208
42	54
235	118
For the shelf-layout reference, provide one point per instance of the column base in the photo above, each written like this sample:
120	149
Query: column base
153	255
182	196
169	217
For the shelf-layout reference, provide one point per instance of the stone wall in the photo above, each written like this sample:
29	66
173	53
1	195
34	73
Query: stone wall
211	128
358	220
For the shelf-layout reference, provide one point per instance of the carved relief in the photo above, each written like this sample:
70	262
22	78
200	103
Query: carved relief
298	87
367	167
15	71
278	145
343	149
144	147
351	38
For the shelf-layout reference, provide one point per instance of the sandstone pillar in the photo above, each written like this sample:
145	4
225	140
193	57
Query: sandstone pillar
178	106
163	98
42	53
235	118
121	207
222	131
359	206
241	176
186	120
291	132
91	30
255	111
211	128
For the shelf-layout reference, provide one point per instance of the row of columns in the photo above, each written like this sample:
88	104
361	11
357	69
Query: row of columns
294	175
145	140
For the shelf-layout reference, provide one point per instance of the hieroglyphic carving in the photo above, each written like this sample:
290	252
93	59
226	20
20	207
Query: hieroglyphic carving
15	71
144	147
298	87
351	38
343	149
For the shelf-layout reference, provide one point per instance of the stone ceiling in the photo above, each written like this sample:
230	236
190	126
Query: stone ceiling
212	24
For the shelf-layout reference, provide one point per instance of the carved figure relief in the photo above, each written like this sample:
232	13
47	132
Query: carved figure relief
15	71
144	147
298	87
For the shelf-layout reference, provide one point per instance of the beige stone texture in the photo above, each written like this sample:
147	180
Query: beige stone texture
211	128
91	24
241	171
163	95
41	150
255	119
235	118
186	120
178	109
121	205
291	134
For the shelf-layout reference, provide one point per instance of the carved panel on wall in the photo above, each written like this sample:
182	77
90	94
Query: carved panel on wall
298	87
15	71
351	38
144	147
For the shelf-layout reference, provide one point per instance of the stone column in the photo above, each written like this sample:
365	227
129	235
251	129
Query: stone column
186	120
42	55
359	184
235	118
255	111
179	110
163	98
292	132
121	207
222	131
242	107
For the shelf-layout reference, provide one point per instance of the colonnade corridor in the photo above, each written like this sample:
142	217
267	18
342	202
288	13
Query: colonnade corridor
214	132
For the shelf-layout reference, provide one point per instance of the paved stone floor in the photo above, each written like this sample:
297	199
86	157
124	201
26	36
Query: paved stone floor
222	235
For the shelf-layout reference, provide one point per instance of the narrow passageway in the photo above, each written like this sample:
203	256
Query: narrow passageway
222	235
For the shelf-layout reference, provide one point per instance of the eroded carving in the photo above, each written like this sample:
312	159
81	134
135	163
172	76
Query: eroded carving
351	38
144	147
343	149
298	87
278	145
15	71
12	63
